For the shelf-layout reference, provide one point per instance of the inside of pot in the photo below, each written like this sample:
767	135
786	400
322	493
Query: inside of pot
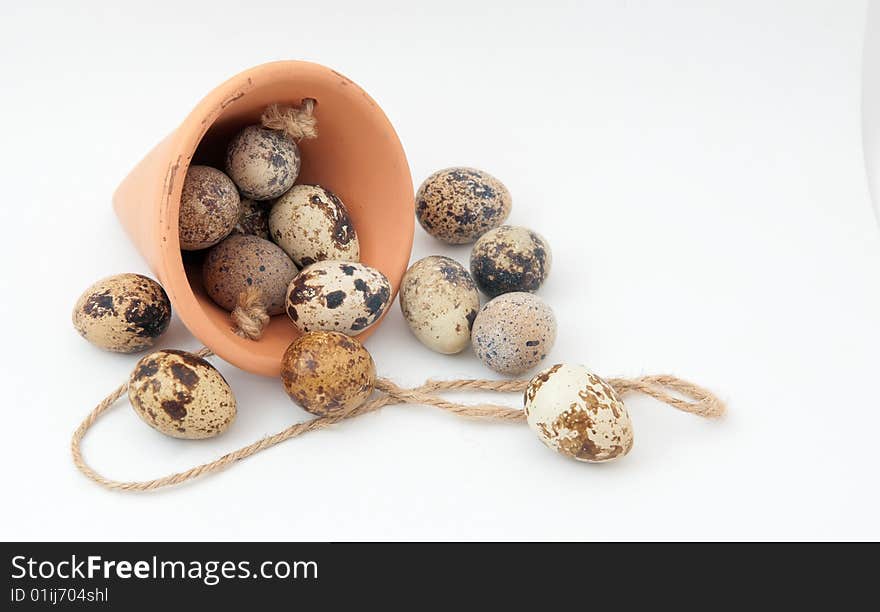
356	155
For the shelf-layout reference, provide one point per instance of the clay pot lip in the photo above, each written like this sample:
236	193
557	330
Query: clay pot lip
183	144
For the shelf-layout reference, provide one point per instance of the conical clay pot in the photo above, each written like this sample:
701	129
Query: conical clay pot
357	155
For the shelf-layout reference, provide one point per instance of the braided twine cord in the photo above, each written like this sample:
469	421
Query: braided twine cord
670	390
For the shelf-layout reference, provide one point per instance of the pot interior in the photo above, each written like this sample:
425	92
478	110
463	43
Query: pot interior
356	155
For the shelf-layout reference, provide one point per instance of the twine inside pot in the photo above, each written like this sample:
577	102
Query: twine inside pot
249	317
297	122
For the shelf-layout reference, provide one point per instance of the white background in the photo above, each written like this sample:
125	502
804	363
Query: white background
696	166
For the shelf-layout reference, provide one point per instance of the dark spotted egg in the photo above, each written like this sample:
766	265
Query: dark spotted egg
123	313
510	258
341	296
181	395
312	224
458	205
578	414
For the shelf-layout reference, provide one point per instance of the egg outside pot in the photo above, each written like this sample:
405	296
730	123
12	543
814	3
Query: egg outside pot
357	155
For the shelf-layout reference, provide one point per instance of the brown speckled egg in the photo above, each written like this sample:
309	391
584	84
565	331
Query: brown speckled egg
254	219
510	258
513	332
311	224
243	261
263	163
327	372
209	208
578	414
181	395
341	296
439	301
123	313
458	205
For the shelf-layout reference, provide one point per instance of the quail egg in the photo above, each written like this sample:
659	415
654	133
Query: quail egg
263	163
439	301
458	205
243	261
123	313
578	414
341	296
327	372
181	395
510	258
312	224
209	208
513	332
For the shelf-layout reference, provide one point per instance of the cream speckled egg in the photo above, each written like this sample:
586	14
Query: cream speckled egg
341	296
243	261
123	313
439	301
513	332
181	395
578	414
510	258
263	163
327	372
458	205
312	224
209	208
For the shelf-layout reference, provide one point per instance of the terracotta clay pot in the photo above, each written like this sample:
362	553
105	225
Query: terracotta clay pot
357	155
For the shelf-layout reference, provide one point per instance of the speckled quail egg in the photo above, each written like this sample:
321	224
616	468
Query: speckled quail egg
263	163
510	258
341	296
439	301
123	313
513	332
181	395
312	224
243	261
578	414
253	219
209	208
458	205
327	372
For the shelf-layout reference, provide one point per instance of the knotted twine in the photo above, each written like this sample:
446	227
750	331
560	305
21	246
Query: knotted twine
296	122
675	392
249	315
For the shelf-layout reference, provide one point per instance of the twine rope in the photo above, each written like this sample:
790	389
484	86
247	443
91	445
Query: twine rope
296	122
670	390
249	317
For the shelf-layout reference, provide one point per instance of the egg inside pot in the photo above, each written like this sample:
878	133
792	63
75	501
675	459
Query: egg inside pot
356	155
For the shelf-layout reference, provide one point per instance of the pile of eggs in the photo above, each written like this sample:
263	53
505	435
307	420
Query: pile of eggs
440	299
293	242
296	243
